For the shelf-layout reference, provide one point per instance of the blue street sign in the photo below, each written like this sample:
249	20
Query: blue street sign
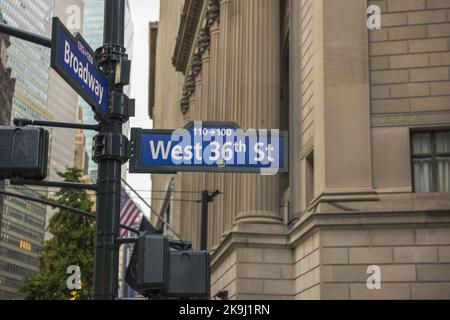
73	59
209	147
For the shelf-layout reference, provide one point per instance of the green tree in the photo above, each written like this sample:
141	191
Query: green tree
72	245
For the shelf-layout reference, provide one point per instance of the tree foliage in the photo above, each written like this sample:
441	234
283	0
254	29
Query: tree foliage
72	245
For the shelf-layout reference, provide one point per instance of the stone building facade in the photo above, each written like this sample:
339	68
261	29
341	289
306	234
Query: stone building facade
368	115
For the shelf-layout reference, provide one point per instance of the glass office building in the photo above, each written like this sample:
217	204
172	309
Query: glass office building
23	223
93	33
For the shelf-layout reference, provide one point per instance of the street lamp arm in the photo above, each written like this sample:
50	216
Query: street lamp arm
25	35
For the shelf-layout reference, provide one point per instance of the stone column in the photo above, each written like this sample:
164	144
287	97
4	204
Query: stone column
342	138
193	181
197	179
227	200
256	98
214	115
250	96
207	115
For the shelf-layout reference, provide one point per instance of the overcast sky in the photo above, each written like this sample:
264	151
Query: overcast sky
142	11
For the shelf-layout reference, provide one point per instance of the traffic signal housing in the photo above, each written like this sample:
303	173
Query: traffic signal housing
23	153
189	275
171	273
152	267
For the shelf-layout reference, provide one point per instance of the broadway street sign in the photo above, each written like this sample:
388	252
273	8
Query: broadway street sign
209	147
73	59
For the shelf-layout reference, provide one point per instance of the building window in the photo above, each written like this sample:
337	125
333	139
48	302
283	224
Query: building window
431	161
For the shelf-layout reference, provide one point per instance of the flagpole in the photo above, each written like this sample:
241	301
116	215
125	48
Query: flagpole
153	211
124	269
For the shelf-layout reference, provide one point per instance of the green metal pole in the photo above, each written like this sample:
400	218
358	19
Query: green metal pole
109	164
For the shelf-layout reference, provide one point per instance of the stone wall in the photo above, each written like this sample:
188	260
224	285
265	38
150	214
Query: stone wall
254	263
410	57
414	263
307	268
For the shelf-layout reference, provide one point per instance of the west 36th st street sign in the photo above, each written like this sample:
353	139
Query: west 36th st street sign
209	147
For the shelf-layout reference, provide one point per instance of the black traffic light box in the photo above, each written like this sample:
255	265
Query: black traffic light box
189	275
152	268
23	153
171	273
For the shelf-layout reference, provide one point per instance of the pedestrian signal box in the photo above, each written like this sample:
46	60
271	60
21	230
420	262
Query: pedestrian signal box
171	273
189	275
152	267
23	153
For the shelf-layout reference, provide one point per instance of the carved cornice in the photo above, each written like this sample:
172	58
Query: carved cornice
196	64
213	12
204	40
186	41
189	85
186	35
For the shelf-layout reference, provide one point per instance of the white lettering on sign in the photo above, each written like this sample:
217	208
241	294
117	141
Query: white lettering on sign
213	153
85	52
83	72
160	149
221	147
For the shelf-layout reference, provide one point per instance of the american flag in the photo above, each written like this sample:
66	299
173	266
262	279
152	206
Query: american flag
129	212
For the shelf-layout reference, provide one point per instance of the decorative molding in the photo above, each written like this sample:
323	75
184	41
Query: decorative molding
197	64
186	34
153	38
343	196
203	41
285	28
185	42
213	12
411	119
315	221
189	85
